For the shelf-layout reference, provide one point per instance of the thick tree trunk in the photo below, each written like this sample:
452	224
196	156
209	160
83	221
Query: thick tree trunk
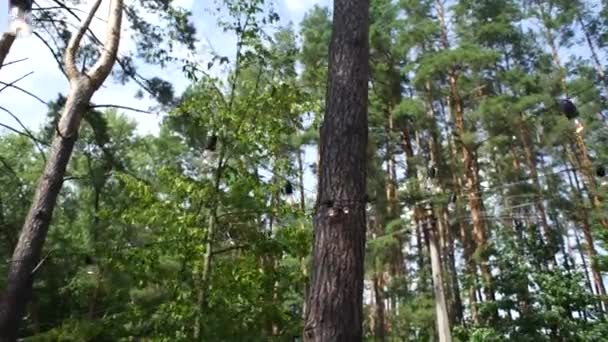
335	302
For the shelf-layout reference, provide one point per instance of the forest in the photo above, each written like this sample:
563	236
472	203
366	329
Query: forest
380	170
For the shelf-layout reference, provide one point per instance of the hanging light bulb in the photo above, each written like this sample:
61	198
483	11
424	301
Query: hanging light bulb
600	172
331	212
568	109
20	16
579	126
345	210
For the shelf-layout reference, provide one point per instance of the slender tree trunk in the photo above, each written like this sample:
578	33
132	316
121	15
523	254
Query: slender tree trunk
444	231
379	317
441	309
204	278
203	281
457	311
471	170
582	155
599	68
335	302
598	281
33	234
467	244
583	161
538	198
397	268
95	238
301	180
303	262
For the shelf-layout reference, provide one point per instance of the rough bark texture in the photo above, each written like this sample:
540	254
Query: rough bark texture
335	301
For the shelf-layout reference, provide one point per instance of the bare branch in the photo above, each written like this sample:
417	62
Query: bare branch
121	107
14	62
72	48
55	55
229	249
6	85
102	68
12	85
27	133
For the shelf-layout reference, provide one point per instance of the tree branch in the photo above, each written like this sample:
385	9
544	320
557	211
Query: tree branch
228	249
14	62
72	48
103	67
121	107
27	133
55	55
12	85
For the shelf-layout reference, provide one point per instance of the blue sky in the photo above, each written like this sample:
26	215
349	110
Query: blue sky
47	81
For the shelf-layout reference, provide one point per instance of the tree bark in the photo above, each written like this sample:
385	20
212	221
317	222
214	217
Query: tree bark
335	302
379	321
538	197
34	231
598	280
584	163
441	308
6	41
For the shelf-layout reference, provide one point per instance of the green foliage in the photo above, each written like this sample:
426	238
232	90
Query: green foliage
162	238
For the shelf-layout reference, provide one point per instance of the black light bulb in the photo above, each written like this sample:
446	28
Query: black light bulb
600	171
568	109
211	143
288	189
